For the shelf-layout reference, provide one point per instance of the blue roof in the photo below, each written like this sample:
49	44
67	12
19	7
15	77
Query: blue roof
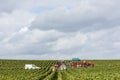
75	59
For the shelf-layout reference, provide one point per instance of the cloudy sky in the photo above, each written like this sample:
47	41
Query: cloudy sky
59	29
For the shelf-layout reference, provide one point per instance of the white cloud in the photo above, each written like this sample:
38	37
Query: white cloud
50	29
116	44
69	42
14	21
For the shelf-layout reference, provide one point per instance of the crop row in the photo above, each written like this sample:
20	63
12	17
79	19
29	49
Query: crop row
14	70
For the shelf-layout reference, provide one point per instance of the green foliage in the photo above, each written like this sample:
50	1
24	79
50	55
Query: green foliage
14	70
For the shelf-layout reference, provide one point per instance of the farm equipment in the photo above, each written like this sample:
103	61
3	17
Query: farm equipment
76	62
59	65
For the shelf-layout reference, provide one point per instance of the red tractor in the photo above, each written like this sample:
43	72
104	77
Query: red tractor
77	63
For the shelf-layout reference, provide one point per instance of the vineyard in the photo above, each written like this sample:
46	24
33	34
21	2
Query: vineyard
103	70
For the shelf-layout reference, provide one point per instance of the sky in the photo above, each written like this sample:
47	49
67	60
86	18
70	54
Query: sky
59	29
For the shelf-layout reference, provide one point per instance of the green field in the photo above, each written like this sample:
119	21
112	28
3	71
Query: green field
103	70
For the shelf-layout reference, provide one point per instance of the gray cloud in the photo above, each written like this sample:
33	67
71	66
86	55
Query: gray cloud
32	29
28	5
7	6
11	5
89	16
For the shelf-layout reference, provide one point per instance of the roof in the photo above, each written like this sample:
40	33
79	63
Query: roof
75	59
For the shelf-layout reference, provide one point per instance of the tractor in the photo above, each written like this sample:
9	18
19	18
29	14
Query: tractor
76	63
